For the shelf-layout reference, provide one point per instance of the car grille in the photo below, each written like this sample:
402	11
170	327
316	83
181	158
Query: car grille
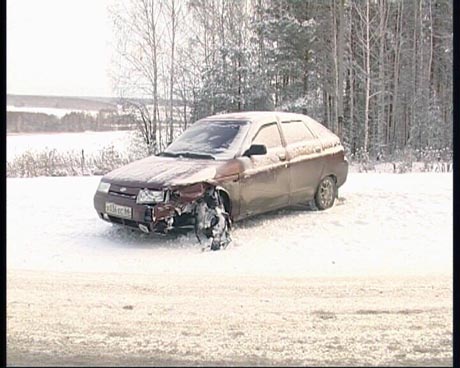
127	192
124	195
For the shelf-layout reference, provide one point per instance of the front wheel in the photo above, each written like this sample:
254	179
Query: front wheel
326	193
212	221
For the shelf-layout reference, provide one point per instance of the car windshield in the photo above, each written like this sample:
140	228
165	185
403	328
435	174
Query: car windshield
210	139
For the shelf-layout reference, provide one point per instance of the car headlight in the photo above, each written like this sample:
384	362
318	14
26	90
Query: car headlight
150	196
103	187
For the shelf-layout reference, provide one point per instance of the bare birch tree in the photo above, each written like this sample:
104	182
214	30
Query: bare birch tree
139	37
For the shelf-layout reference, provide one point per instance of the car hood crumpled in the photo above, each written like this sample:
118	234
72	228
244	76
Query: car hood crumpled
158	172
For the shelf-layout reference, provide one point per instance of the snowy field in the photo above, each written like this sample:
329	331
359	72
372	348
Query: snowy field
367	282
91	142
384	224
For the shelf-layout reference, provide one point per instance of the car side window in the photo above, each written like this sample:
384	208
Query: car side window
318	128
268	135
296	131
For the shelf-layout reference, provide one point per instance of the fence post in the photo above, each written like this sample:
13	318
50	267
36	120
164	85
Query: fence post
82	161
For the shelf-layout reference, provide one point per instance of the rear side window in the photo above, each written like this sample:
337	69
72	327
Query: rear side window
319	129
268	135
296	131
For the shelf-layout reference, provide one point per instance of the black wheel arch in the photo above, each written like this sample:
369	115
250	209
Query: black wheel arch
332	175
225	198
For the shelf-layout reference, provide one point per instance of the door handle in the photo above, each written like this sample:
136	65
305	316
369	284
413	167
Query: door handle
282	156
317	149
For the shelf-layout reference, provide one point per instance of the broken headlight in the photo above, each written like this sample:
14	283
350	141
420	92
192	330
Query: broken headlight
172	195
147	196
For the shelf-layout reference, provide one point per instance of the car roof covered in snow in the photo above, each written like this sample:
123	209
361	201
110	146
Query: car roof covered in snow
256	116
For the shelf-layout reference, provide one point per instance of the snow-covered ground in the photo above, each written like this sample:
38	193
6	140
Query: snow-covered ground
383	224
91	142
367	282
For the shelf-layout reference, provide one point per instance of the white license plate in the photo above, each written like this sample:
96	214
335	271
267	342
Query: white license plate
118	211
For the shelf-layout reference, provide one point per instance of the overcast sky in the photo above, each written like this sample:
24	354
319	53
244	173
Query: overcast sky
59	47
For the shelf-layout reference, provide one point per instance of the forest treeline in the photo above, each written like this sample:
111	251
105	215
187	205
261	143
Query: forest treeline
376	72
36	122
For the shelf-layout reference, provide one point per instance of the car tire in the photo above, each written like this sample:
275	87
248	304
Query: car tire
220	222
326	193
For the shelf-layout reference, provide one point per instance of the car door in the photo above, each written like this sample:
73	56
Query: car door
304	151
264	183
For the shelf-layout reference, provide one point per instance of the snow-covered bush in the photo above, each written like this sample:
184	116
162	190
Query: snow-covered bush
50	162
43	163
404	160
53	163
106	160
137	147
361	159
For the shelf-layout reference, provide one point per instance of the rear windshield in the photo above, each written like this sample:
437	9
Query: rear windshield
219	139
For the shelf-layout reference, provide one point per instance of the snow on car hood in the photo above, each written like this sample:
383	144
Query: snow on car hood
164	171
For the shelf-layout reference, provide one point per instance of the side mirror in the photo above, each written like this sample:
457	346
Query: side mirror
256	149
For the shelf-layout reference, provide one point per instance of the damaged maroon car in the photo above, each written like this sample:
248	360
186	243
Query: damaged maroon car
225	168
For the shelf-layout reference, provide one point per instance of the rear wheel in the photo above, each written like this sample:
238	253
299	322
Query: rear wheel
326	193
